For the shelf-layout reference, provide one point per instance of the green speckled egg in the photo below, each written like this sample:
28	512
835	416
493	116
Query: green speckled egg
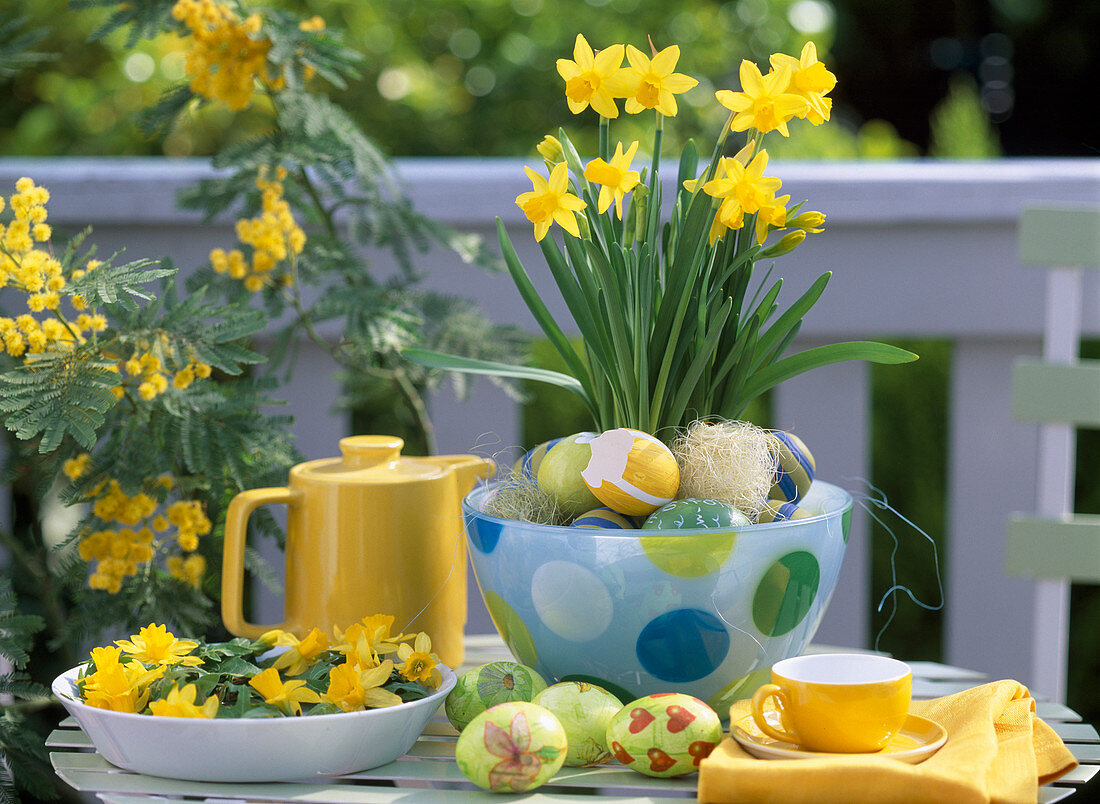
511	747
584	711
695	514
488	685
667	734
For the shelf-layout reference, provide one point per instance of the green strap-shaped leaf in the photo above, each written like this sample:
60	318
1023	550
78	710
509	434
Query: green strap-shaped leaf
819	356
790	318
703	358
469	365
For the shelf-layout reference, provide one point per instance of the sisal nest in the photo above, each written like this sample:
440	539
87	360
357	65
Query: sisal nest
729	461
519	497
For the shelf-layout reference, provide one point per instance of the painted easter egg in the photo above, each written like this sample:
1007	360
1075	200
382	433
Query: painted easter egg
603	518
584	711
795	470
488	685
560	474
511	747
667	734
695	514
631	471
780	510
528	465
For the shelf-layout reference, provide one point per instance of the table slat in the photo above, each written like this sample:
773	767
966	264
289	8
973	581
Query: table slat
1076	732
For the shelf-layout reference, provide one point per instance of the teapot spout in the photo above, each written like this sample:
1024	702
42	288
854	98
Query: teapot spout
468	469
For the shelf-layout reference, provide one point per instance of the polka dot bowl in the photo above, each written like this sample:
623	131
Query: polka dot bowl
704	612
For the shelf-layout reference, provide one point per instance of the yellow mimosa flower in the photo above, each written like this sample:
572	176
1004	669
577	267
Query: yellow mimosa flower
155	644
811	80
302	652
765	102
591	79
615	178
181	703
551	202
418	663
288	696
652	83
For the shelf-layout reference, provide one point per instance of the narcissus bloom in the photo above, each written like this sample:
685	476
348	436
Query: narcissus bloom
288	696
155	644
652	83
181	703
418	663
551	202
744	190
302	652
811	80
772	214
615	178
765	103
592	79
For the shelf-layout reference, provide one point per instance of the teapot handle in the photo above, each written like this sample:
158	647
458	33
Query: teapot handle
236	530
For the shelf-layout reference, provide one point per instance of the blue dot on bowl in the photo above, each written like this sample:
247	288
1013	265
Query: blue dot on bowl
484	534
682	645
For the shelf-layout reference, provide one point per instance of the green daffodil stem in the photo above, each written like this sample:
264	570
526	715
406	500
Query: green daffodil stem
605	138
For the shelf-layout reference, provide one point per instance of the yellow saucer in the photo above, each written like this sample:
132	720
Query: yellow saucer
918	739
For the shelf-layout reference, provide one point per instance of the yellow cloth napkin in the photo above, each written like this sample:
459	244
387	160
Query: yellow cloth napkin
997	751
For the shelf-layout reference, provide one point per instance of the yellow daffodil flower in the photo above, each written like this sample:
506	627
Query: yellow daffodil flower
372	680
118	686
181	703
301	653
155	644
771	214
765	102
810	222
743	156
615	178
551	150
288	696
745	185
344	689
592	79
418	663
652	83
551	202
811	80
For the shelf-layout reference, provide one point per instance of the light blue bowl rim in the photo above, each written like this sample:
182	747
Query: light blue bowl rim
472	501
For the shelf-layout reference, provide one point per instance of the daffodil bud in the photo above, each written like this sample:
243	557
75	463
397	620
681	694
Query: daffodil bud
550	149
582	225
808	221
641	210
785	245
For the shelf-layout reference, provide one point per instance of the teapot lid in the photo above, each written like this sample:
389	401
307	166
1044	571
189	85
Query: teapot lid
373	459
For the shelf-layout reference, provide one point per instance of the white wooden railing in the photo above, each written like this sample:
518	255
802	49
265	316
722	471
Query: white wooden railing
922	249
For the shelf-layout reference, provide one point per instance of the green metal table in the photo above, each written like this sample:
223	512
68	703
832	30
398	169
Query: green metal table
429	773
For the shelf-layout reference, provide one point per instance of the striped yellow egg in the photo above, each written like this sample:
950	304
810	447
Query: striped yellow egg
631	472
528	465
795	470
603	518
779	510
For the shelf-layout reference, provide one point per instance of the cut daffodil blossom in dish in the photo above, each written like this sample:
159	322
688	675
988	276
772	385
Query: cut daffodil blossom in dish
277	675
676	323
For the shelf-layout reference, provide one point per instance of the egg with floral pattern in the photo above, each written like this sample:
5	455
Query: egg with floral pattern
631	472
511	747
666	734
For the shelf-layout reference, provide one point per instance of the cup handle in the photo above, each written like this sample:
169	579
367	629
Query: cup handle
236	530
780	695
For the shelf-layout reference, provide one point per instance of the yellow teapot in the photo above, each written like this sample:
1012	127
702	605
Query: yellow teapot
370	532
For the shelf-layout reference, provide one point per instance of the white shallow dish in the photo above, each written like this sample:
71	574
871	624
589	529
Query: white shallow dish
252	749
918	739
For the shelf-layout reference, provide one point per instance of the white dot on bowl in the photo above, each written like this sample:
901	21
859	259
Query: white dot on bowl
571	601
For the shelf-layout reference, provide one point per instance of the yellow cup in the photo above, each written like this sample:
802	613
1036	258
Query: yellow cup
369	532
836	702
